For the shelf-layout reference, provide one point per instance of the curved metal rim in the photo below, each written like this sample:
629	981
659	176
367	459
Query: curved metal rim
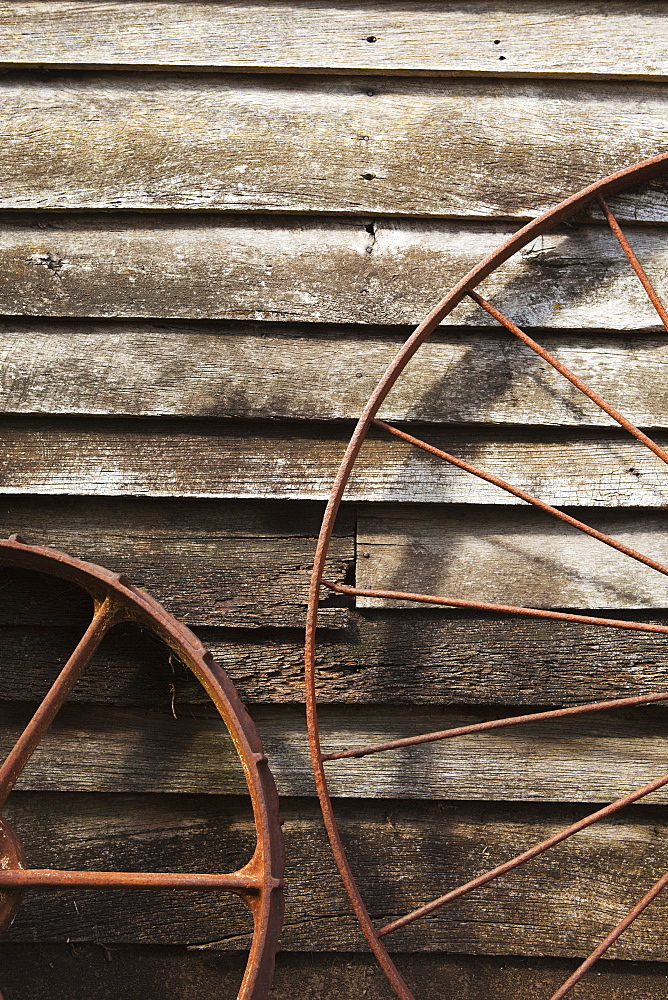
268	861
636	174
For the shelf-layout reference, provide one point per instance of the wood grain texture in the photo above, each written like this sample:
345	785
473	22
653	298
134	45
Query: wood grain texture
234	460
119	750
480	38
234	564
403	854
317	270
461	376
510	555
85	971
362	146
381	657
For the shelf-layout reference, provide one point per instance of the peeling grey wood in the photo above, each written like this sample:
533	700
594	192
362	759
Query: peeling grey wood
510	556
234	460
593	759
382	657
136	369
215	563
479	38
403	854
315	270
363	146
107	973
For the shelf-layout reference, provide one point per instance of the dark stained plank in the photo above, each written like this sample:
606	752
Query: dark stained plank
336	145
384	36
403	854
596	758
154	458
292	269
459	376
211	563
98	972
510	555
381	657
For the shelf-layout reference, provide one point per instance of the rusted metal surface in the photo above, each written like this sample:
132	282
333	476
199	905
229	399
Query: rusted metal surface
260	882
637	174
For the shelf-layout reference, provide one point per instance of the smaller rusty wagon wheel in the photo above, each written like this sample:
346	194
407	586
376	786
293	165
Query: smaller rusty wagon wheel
258	883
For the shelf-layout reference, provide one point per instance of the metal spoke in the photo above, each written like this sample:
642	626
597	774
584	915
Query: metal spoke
25	746
482	727
567	373
634	262
533	852
527	497
47	878
611	938
510	609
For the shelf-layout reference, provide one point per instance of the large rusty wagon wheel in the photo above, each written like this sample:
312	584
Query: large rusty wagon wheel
375	935
258	883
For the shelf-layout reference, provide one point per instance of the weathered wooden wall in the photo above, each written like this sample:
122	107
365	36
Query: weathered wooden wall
218	221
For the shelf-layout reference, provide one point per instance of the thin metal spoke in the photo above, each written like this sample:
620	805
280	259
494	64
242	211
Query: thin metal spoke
25	746
567	373
533	852
48	878
482	727
523	495
634	262
457	602
611	938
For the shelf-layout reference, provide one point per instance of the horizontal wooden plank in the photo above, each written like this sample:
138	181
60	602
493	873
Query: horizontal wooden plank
316	270
235	460
403	854
321	145
381	657
117	750
461	376
84	971
511	555
234	564
480	38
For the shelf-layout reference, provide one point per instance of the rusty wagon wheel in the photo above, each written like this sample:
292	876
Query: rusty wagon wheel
258	883
596	193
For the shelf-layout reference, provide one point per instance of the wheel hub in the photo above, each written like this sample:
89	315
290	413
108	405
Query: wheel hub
11	856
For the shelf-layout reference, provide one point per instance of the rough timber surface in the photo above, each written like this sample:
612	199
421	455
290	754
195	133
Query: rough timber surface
459	376
511	555
516	38
209	563
437	845
584	759
94	971
333	145
315	269
381	657
155	458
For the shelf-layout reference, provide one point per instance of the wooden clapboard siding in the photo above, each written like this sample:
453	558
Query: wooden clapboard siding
136	369
510	555
518	38
93	972
209	563
204	270
528	912
586	759
382	657
321	145
277	461
312	269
